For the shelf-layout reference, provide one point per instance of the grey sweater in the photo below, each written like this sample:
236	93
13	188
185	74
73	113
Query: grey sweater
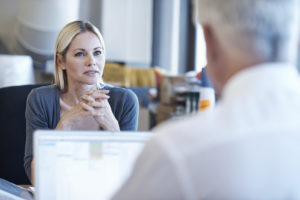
43	112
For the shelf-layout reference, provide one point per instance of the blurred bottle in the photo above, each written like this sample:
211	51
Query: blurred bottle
207	93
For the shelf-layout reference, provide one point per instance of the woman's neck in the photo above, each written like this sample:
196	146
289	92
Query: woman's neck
75	92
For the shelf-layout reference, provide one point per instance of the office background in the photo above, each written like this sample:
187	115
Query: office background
139	33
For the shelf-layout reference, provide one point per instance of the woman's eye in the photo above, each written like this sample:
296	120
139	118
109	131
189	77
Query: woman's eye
96	53
78	54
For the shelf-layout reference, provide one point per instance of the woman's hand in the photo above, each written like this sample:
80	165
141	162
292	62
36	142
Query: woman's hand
99	107
77	117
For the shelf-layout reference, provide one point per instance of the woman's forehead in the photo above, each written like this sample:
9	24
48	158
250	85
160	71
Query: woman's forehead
86	40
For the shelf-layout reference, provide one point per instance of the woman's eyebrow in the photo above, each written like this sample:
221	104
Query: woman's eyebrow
81	49
99	48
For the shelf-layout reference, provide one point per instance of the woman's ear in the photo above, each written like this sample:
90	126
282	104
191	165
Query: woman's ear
60	61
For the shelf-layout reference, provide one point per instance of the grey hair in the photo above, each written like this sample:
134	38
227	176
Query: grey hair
268	28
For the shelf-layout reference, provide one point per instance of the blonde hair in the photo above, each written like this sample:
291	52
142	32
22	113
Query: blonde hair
63	41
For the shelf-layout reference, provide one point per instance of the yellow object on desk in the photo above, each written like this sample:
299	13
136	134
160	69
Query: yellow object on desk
127	76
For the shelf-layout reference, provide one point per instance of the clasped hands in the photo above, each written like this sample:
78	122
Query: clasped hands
93	105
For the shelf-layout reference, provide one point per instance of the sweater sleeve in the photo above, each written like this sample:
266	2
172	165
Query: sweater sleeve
129	115
35	119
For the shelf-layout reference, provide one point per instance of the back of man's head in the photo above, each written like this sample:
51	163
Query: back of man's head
265	28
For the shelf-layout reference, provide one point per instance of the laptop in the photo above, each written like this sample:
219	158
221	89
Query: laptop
83	164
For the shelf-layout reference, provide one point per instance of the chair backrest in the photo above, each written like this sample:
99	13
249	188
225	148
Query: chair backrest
13	132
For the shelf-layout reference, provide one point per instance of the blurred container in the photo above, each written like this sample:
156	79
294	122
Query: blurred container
207	98
39	22
170	86
207	93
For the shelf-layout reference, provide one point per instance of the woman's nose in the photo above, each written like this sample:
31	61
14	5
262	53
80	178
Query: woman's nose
91	60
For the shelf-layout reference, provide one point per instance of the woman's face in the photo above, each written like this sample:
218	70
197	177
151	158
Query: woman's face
84	61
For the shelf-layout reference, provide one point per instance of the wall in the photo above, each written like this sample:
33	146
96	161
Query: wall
126	26
8	18
127	30
166	34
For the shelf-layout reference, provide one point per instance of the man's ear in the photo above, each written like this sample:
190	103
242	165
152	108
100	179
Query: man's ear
60	61
211	43
215	61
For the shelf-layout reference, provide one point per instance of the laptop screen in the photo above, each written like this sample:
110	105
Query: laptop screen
83	164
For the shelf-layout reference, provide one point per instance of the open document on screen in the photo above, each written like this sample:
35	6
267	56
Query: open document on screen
84	165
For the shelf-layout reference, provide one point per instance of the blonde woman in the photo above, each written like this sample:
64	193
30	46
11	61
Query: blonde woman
79	100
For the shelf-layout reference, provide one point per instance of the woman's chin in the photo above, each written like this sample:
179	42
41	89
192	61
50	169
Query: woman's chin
91	82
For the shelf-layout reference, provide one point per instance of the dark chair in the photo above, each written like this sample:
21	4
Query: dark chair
13	132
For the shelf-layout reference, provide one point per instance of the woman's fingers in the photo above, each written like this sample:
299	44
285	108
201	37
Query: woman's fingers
86	107
87	98
96	99
99	104
95	103
97	94
100	94
99	111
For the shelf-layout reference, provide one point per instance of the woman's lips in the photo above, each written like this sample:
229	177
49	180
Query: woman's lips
91	72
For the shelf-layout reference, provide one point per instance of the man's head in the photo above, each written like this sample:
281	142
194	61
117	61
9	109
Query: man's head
241	33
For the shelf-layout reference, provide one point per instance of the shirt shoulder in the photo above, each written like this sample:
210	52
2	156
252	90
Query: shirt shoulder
121	96
43	97
120	92
47	90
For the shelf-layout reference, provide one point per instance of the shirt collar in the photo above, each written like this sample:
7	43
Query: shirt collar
260	77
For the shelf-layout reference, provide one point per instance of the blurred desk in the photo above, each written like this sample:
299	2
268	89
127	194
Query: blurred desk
16	70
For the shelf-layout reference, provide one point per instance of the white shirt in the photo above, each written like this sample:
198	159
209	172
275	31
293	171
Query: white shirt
248	147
